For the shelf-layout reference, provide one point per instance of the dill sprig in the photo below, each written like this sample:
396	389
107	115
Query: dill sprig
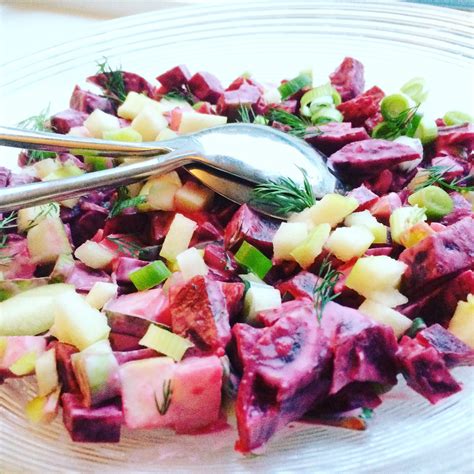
5	224
435	176
324	290
166	398
124	201
114	85
299	126
8	222
181	94
126	246
284	195
51	208
402	124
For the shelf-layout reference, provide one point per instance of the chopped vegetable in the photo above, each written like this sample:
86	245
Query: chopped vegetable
436	201
294	85
149	276
165	342
253	260
455	117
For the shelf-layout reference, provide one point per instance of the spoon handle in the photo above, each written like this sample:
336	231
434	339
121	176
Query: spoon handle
32	140
32	194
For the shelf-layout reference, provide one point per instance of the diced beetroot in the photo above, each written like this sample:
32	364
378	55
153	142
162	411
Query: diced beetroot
289	106
366	105
204	108
175	78
461	208
63	121
439	305
348	78
84	278
282	270
16	348
253	227
206	232
373	121
454	351
218	258
91	425
302	285
438	256
139	354
364	196
286	370
453	168
239	81
379	251
230	102
87	101
87	225
384	206
195	393
64	365
15	259
298	308
233	295
425	370
123	266
159	225
199	311
17	179
206	86
152	305
131	81
364	351
370	157
125	223
381	183
335	136
456	135
123	342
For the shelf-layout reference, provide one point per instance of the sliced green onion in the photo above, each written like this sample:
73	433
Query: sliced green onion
326	115
416	326
126	134
165	342
99	163
427	130
291	87
416	89
260	120
381	130
254	260
393	105
435	200
455	117
149	276
413	125
324	101
321	95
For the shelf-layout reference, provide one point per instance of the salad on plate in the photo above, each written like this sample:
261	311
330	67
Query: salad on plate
163	305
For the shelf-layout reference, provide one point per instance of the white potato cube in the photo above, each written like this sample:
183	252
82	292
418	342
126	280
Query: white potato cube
349	242
288	236
166	134
191	263
259	298
178	237
134	103
46	372
194	121
101	293
99	122
149	122
385	315
94	255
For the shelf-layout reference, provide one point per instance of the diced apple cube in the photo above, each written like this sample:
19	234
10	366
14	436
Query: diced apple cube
193	197
331	209
47	240
94	255
43	409
366	219
99	122
191	263
259	298
349	242
194	121
178	237
45	167
462	323
77	323
162	198
288	236
101	293
385	315
134	103
166	134
28	217
149	122
309	249
46	372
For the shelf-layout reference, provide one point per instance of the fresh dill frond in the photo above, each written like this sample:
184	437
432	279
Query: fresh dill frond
124	201
51	208
435	176
126	246
284	195
114	85
8	222
299	126
405	123
166	398
184	94
324	290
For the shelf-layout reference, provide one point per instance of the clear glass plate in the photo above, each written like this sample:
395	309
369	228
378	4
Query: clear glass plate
272	39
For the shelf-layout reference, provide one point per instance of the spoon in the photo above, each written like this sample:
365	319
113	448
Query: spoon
230	159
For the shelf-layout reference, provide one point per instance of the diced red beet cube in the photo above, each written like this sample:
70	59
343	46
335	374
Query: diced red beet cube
132	83
298	308
348	78
87	101
302	285
286	370
21	266
233	295
230	102
239	81
384	206
454	351
334	137
206	86
63	121
199	311
126	223
203	108
359	109
175	78
364	196
217	257
138	354
370	157
425	370
123	342
375	251
461	208
381	183
84	278
159	225
91	425
439	256
248	225
364	351
373	121
64	365
456	135
453	168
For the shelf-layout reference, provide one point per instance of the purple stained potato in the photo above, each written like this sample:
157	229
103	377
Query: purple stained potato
348	78
63	121
370	157
21	266
461	135
248	225
206	86
91	425
425	370
137	354
359	109
175	78
364	196
84	278
286	369
439	256
123	266
87	101
199	311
